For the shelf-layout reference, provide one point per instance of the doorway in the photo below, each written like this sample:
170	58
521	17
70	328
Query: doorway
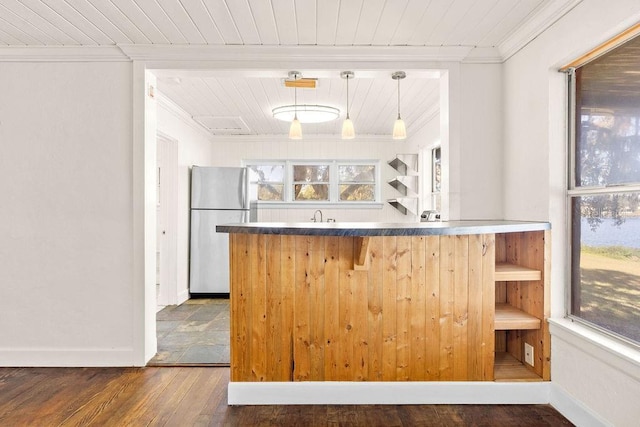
194	332
149	331
166	222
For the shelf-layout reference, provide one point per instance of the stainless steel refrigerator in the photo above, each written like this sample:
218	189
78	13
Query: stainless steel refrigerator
218	196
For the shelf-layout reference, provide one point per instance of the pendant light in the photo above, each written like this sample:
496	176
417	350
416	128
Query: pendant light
295	130
348	132
399	129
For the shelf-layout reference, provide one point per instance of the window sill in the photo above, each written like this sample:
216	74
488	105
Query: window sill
317	205
607	349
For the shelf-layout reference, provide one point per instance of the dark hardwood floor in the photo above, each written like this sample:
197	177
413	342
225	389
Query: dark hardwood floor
196	396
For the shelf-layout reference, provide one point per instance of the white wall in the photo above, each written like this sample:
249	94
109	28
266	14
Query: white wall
194	148
480	167
535	182
232	152
66	276
425	139
471	134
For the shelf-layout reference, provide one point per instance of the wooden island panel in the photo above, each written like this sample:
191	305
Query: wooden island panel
308	308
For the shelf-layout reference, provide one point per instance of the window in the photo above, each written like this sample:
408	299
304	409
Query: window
266	181
604	192
315	181
311	182
436	177
357	182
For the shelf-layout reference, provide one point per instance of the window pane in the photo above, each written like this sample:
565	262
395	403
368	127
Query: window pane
607	120
357	173
606	262
357	192
436	179
270	192
270	173
311	192
311	173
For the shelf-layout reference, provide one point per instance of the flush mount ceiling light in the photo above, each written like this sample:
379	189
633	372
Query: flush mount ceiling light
348	132
399	129
303	113
306	113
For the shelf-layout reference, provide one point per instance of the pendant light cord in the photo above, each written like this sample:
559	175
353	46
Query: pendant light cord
398	98
347	97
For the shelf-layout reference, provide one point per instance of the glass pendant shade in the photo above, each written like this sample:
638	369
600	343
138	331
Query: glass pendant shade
348	132
295	130
399	130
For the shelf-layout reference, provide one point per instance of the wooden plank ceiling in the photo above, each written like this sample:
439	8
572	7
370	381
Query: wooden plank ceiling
244	103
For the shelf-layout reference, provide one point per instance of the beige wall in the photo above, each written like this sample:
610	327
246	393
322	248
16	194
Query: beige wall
66	275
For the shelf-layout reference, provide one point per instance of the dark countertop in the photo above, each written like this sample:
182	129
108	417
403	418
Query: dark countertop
383	228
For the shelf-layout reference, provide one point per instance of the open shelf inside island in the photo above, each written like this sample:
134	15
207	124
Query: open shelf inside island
508	368
512	272
509	318
521	306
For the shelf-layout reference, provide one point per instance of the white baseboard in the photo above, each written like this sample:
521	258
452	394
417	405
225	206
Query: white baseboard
183	296
392	393
66	358
574	410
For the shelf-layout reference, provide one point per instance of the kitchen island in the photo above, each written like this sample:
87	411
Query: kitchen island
376	302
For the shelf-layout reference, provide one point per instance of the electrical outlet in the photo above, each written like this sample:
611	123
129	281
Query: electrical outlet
528	354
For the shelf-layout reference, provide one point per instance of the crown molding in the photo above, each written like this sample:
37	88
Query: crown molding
255	56
297	54
62	54
306	138
483	55
543	18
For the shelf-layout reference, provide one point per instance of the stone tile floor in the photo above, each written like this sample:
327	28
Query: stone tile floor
193	333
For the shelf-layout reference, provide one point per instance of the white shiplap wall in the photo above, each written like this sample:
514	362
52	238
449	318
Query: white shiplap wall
231	153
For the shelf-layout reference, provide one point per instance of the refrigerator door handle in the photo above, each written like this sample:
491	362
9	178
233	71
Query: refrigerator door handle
244	185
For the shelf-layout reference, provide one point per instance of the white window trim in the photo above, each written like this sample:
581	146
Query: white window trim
334	196
433	194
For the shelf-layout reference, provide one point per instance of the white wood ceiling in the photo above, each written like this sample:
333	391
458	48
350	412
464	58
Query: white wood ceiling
504	25
485	23
373	101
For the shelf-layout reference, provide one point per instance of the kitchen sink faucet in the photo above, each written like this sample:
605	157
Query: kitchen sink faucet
314	219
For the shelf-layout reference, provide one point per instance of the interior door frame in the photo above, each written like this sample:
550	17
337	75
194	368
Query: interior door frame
146	61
